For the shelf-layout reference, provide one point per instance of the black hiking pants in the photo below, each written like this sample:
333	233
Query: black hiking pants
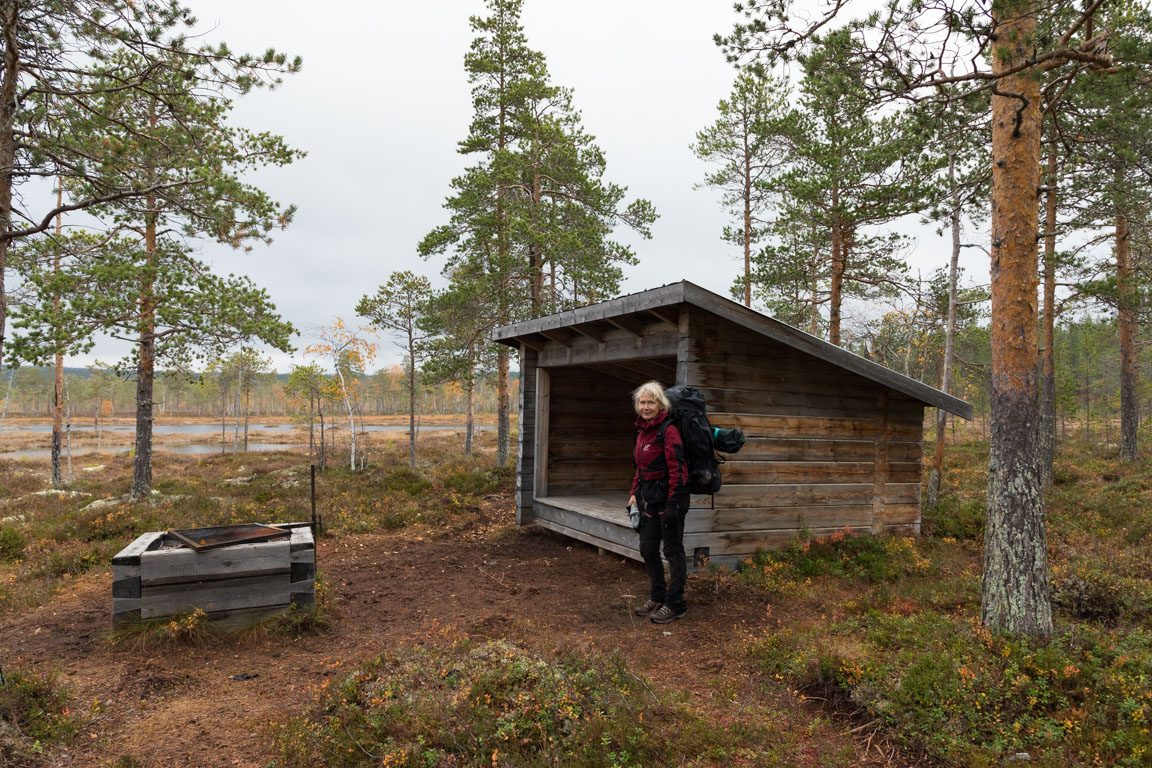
666	529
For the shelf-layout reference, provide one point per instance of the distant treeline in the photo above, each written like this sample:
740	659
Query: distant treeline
210	394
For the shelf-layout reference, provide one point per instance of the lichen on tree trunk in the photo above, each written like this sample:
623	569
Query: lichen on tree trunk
1014	593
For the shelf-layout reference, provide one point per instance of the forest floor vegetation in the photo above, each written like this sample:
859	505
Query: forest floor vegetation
448	636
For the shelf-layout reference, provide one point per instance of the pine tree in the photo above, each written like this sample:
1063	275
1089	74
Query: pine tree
910	51
176	136
533	214
57	83
747	144
399	306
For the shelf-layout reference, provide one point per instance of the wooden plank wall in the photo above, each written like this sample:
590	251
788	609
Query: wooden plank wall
826	448
591	431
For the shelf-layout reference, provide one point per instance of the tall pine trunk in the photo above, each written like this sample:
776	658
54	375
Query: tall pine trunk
949	339
836	283
747	213
1014	592
411	403
1129	407
145	362
58	379
1047	447
8	106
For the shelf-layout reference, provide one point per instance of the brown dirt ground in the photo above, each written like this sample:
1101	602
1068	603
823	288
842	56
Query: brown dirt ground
181	707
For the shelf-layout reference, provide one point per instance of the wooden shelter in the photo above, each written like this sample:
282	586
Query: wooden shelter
834	440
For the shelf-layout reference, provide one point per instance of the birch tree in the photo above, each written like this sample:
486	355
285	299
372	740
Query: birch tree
347	350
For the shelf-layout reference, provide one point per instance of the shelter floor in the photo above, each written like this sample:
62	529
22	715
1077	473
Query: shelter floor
610	507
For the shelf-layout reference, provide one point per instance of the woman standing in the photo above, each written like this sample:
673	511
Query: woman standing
659	489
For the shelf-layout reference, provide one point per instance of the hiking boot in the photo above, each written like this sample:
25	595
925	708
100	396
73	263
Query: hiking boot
666	615
647	609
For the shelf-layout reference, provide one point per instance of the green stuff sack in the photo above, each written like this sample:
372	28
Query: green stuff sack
727	440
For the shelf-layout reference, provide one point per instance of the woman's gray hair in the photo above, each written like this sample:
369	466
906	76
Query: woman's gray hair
656	390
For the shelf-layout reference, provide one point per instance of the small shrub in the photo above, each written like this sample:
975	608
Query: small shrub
187	629
967	697
54	559
35	707
473	482
874	559
407	481
957	517
1101	596
12	543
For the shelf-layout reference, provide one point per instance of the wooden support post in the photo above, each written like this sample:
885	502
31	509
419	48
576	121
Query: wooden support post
880	471
543	401
526	436
683	347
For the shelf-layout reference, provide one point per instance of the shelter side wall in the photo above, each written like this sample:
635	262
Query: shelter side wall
526	436
591	432
827	448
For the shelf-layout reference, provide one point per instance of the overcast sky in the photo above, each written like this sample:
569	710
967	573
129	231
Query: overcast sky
382	101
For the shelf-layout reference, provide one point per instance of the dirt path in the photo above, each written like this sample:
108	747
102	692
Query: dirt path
183	708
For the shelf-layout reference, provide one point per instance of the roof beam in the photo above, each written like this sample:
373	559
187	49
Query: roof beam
630	326
665	315
584	330
561	338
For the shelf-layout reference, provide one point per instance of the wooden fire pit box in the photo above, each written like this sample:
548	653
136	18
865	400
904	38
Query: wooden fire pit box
235	585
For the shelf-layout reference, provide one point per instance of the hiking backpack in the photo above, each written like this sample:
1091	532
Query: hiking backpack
690	416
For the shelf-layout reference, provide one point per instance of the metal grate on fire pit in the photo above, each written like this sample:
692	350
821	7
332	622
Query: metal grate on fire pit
203	539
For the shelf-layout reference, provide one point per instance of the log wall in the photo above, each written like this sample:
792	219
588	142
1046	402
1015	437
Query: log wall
591	432
827	448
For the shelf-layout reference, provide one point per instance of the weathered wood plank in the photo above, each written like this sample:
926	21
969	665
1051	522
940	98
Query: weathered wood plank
253	592
804	449
795	376
902	493
130	555
578	446
302	572
797	494
304	586
174	566
526	435
798	426
587	538
820	472
622	536
880	478
610	350
774	518
787	403
302	541
543	415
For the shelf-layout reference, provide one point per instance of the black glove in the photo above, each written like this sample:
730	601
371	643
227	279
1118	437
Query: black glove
682	502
